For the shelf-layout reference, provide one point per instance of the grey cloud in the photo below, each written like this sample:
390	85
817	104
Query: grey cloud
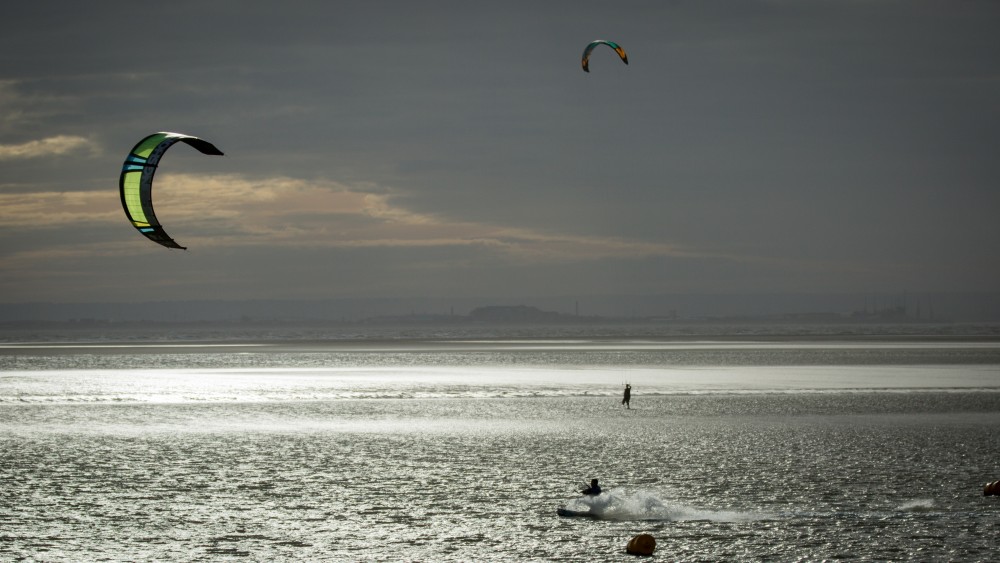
832	145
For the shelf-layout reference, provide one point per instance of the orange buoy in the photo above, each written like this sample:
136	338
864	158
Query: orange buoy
643	544
991	489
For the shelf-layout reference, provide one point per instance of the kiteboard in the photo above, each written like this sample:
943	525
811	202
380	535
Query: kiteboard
567	513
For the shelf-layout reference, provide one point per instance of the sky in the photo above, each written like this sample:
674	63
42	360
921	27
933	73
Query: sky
431	149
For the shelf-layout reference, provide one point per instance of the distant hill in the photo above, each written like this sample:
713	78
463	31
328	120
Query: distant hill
933	307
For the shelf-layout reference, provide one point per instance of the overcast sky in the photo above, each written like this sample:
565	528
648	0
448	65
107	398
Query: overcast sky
457	149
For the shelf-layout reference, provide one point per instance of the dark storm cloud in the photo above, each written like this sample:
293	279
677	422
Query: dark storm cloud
748	146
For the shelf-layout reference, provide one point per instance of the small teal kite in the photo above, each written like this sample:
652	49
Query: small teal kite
586	52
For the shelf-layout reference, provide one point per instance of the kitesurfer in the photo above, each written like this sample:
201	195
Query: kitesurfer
593	490
628	396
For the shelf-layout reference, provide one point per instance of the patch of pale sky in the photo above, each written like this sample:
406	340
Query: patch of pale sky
310	214
49	146
56	209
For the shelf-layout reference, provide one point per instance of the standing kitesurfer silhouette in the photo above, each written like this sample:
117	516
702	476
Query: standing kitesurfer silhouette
628	396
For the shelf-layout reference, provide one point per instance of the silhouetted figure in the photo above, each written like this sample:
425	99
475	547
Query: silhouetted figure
628	396
593	490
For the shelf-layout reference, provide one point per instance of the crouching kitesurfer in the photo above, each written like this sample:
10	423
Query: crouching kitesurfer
593	490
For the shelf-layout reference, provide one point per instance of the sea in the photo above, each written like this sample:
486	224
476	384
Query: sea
741	442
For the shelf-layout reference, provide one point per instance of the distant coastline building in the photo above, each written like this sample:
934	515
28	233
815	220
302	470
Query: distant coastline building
513	314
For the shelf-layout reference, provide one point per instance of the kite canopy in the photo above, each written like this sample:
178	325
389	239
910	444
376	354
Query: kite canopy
586	52
136	181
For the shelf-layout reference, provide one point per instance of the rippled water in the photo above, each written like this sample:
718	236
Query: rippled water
446	450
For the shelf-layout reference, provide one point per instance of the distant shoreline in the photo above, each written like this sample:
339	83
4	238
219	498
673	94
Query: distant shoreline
380	335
